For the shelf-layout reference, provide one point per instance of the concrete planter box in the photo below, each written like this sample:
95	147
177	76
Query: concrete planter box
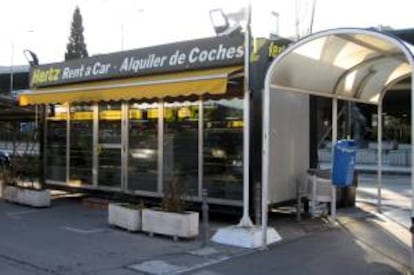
184	225
30	197
125	217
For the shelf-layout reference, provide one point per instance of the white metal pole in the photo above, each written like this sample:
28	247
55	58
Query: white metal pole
245	220
122	36
412	166
265	160
68	148
379	155
11	68
160	179
200	145
334	139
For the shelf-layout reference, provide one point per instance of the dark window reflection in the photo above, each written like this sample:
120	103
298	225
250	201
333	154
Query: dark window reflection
143	144
109	123
81	145
109	171
109	147
181	147
223	148
56	144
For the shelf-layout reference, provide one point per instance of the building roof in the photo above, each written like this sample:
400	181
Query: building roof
351	64
404	34
15	69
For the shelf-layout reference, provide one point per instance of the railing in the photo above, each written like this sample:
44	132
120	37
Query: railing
21	148
399	157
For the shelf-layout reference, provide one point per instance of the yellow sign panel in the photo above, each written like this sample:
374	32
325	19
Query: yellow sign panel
81	116
58	116
135	114
152	113
235	124
110	115
184	112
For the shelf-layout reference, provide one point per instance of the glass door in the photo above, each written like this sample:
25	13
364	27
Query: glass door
56	139
109	147
181	147
223	148
81	145
143	147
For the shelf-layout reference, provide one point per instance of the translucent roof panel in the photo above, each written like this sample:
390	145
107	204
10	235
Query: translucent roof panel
350	64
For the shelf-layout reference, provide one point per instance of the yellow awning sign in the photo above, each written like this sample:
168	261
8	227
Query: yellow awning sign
201	82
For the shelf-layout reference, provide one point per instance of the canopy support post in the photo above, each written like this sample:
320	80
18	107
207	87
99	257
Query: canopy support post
245	234
412	164
379	156
245	220
265	160
334	139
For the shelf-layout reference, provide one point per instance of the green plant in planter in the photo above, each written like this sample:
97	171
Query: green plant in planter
23	167
6	176
5	179
172	219
174	195
138	206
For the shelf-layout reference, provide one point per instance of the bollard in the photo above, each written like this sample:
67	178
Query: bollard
258	202
204	209
412	244
298	201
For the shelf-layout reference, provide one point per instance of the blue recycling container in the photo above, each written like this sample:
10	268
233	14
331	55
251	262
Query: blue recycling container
343	163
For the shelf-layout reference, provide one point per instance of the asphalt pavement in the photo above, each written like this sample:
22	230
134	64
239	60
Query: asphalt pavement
69	238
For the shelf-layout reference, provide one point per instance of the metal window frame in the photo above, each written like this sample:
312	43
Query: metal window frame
160	165
200	146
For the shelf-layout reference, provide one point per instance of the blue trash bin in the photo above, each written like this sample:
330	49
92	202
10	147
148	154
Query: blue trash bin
343	163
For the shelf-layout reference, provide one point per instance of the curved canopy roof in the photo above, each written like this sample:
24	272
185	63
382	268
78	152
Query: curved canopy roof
349	64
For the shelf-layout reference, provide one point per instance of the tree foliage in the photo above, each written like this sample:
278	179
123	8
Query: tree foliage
76	47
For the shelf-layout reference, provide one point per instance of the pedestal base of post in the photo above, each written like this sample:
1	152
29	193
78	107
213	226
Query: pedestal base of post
247	237
412	244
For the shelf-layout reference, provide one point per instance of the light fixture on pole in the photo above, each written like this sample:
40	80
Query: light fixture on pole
219	21
274	31
31	57
226	24
222	26
33	61
11	67
244	234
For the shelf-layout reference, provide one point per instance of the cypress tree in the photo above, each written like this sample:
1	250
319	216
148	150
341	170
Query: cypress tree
76	47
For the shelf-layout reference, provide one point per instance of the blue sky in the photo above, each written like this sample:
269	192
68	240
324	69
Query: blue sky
112	25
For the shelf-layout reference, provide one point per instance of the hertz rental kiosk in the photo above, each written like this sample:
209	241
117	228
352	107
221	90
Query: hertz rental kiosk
129	122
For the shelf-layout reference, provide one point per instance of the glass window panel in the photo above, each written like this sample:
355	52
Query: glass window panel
109	153
81	144
110	123
109	167
223	148
56	144
181	147
143	147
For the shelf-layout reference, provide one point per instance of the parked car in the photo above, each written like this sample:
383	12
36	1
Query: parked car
5	160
